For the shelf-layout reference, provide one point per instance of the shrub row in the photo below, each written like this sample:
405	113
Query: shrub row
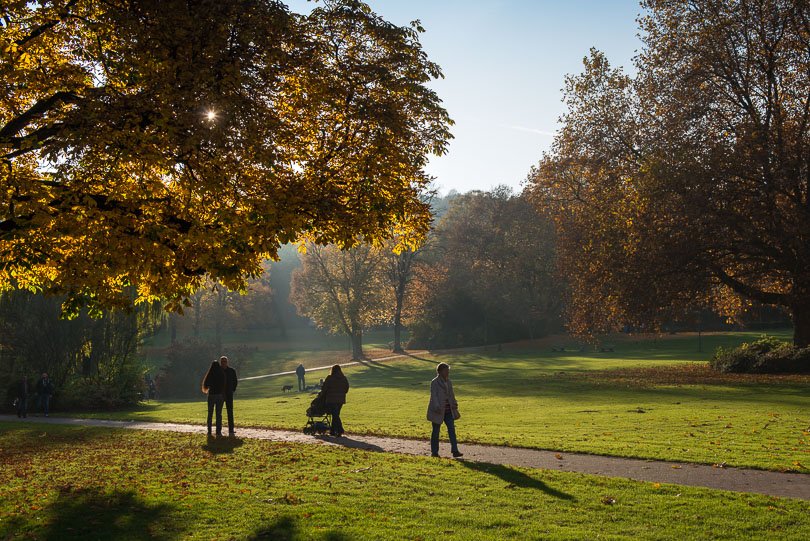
768	355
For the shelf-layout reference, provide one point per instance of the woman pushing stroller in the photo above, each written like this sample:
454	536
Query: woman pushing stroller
334	390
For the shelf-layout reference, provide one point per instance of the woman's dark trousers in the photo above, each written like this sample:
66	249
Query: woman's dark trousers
337	424
215	400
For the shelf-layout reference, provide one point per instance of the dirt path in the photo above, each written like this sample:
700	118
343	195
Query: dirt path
787	485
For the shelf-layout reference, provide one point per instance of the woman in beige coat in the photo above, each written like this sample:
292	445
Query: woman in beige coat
443	408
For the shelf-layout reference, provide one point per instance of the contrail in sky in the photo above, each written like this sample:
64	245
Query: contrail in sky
533	130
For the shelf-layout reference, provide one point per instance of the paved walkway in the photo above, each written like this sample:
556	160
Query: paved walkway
352	363
788	485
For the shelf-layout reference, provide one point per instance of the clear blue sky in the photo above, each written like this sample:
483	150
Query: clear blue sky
504	64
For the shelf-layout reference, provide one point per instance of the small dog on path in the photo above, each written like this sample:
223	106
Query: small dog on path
286	388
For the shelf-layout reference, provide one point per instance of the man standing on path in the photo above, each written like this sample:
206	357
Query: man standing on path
44	393
300	371
230	387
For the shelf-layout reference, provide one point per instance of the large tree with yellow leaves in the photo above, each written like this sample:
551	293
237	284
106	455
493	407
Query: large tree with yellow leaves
689	183
146	145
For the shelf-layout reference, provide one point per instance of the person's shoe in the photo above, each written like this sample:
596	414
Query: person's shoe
457	454
434	455
231	434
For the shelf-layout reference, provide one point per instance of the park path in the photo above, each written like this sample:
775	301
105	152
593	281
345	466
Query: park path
786	485
351	363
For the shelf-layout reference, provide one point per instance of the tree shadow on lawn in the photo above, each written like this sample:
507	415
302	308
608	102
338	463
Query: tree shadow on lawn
87	514
286	529
515	478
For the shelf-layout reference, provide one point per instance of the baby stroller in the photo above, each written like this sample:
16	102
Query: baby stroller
320	421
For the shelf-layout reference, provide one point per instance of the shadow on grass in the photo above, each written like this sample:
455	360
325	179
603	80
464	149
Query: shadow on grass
515	478
86	514
31	437
219	446
349	443
285	529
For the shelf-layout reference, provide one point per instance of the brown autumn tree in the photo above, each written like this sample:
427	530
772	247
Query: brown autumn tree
688	183
152	144
492	277
343	291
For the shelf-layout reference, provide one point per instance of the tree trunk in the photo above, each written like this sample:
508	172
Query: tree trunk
801	325
173	327
357	345
398	327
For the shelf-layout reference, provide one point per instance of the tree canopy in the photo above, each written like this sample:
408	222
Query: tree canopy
147	145
687	184
343	291
487	275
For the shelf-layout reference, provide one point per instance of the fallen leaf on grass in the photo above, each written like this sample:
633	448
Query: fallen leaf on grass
608	500
558	456
676	467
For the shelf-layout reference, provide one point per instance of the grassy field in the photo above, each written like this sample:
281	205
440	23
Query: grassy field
79	483
275	352
624	403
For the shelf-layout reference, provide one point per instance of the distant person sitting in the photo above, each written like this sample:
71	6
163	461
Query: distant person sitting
44	393
300	371
334	390
214	385
230	387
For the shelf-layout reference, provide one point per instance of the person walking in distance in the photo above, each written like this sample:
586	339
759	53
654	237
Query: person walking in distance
214	386
44	393
300	371
334	389
443	408
230	387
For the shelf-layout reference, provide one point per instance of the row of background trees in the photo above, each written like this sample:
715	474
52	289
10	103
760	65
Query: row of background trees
487	274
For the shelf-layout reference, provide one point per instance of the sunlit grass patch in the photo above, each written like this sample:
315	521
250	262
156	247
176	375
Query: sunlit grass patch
638	401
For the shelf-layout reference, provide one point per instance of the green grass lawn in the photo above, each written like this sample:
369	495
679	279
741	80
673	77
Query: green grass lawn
276	352
532	397
80	483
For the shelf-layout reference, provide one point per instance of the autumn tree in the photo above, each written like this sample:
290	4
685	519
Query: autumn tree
399	272
492	259
687	184
152	144
342	291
